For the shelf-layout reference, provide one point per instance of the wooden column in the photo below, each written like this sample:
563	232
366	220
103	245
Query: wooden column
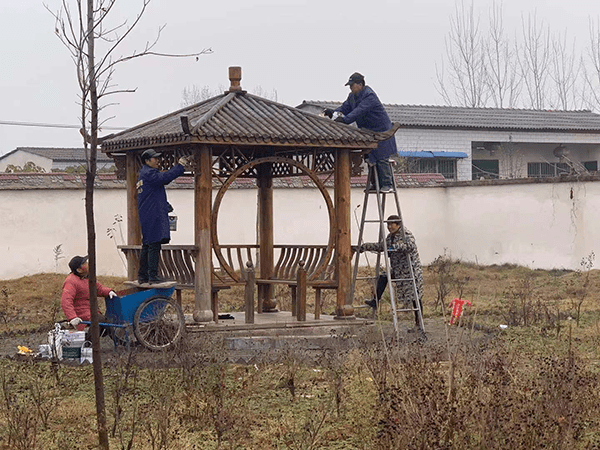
202	211
249	293
344	308
265	234
134	229
301	293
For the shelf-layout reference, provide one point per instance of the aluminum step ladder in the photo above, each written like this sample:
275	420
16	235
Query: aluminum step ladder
382	222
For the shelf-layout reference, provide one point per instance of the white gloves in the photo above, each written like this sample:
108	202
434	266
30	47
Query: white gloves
185	161
74	322
112	294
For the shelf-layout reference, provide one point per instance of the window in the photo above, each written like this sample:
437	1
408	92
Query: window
544	170
485	168
591	166
445	166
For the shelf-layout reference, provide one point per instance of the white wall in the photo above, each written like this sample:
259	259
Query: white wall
541	225
460	141
20	158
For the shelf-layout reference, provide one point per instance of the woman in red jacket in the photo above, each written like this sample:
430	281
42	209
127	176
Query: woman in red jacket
76	293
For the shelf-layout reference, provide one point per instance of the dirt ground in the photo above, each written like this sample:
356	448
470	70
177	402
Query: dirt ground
196	343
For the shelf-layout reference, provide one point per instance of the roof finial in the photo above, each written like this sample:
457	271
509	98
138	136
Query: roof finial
235	76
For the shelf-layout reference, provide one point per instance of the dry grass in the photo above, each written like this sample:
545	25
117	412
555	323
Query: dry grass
535	385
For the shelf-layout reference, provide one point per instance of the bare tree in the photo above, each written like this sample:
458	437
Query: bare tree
565	73
592	68
80	27
465	82
534	61
511	159
261	92
503	79
194	94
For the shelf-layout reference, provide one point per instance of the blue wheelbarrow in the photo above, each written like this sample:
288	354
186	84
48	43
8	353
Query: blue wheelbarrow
157	321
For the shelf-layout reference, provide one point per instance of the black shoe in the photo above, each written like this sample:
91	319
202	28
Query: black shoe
142	281
372	303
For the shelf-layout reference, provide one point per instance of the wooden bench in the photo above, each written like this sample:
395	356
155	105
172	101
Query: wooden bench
177	262
320	272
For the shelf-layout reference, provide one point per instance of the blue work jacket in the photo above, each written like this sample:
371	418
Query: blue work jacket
153	207
367	111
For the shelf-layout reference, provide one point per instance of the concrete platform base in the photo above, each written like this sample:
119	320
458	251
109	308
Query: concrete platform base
271	320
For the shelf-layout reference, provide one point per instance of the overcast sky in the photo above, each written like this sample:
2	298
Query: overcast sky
303	49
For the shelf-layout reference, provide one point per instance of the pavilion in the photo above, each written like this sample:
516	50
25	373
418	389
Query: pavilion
239	135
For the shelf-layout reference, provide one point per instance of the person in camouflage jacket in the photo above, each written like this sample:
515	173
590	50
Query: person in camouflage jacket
398	251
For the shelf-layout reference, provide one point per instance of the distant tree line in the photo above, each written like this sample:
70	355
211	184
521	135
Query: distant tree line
194	94
484	66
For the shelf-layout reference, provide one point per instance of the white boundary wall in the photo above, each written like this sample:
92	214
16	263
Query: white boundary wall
540	225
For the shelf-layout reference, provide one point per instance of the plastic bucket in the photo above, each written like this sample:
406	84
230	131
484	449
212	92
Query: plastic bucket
72	341
172	223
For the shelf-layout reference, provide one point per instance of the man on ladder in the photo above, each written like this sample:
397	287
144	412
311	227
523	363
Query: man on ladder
401	259
404	263
363	107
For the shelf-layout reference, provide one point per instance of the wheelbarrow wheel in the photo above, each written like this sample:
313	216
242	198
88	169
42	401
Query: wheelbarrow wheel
158	323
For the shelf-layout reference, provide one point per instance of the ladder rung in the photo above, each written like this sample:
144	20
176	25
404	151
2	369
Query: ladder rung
373	221
402	279
407	310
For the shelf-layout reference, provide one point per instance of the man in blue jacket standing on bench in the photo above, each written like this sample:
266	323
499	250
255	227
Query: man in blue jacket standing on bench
364	108
153	210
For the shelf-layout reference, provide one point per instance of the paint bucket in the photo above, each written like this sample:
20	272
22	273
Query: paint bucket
172	222
72	342
86	352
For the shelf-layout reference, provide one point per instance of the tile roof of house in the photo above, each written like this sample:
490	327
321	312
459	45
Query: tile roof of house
243	119
59	154
451	117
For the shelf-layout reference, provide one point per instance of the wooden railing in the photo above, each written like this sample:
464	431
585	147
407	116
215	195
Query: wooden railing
177	262
286	266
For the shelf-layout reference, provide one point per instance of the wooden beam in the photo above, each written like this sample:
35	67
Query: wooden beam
343	254
134	230
202	212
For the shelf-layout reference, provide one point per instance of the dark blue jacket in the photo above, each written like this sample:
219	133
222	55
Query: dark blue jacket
367	111
153	207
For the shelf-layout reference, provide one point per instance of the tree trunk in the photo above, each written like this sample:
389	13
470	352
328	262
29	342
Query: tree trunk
91	231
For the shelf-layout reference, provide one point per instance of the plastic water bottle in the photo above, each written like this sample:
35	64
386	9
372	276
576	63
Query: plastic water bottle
86	353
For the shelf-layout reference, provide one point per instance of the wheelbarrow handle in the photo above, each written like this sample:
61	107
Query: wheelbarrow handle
87	322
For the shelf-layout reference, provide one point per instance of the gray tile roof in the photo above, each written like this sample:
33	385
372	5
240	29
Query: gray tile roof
59	154
242	119
451	117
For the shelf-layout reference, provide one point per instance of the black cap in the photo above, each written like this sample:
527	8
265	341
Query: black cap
393	219
76	262
355	78
150	153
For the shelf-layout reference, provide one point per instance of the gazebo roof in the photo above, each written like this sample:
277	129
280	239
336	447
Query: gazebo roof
239	118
